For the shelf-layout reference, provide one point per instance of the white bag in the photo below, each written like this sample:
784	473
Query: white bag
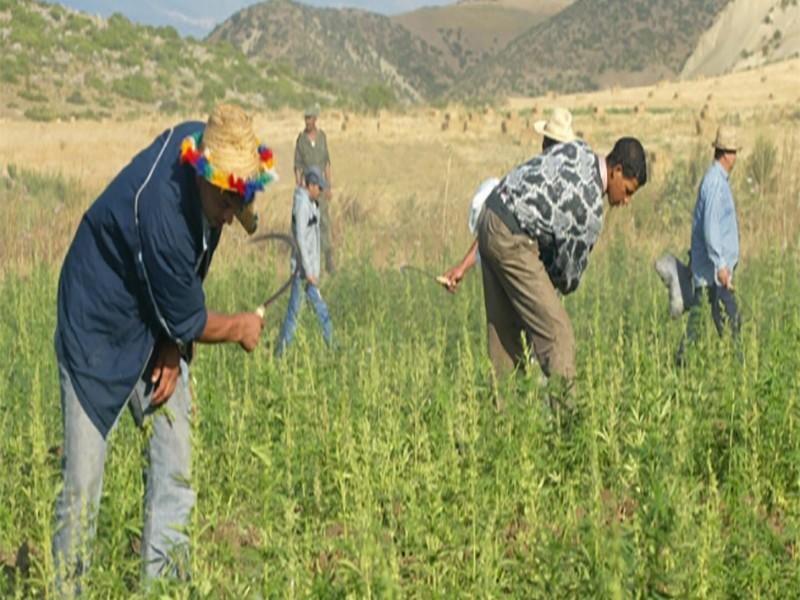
678	279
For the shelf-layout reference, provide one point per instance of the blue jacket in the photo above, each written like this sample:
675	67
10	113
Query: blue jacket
133	275
715	231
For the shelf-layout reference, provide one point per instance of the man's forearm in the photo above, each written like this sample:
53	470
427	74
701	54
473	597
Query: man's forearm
221	328
471	256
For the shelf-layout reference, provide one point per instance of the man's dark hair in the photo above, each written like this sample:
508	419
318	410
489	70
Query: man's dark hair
719	153
629	153
548	143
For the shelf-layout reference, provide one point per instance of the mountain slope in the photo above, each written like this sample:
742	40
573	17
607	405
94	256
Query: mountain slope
468	32
60	63
748	33
352	48
596	43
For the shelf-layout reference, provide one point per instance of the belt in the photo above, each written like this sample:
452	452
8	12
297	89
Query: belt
498	207
545	241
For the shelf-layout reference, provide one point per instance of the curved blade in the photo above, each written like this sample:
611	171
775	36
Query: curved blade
440	279
271	236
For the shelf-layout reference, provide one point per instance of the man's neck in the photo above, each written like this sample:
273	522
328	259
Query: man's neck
601	160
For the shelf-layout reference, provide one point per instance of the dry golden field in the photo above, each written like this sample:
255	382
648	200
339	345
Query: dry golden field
402	180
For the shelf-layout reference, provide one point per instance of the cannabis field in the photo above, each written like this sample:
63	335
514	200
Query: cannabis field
384	469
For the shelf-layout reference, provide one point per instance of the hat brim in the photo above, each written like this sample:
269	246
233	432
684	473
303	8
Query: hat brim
540	127
716	147
248	218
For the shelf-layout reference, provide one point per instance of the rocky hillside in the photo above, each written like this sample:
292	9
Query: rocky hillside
596	43
58	63
350	48
470	31
747	34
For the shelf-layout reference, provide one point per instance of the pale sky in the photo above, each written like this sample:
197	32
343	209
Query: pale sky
198	17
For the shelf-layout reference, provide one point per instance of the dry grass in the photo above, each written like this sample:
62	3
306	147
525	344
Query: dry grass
386	178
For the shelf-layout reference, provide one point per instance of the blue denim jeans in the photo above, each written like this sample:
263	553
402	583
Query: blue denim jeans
293	312
719	298
168	500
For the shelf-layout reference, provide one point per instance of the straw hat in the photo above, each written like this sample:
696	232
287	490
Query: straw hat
726	139
228	155
558	127
230	141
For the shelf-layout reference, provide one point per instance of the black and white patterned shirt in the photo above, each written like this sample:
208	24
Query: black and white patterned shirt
557	198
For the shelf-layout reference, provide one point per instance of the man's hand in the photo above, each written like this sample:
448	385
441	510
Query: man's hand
250	327
166	371
454	277
724	277
311	280
456	274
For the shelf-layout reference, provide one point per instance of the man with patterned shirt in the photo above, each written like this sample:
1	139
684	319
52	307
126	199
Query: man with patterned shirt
535	235
555	130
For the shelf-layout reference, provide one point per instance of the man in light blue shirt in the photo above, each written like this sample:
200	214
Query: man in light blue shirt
715	242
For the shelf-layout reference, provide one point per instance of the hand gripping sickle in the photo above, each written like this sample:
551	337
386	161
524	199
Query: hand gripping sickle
283	239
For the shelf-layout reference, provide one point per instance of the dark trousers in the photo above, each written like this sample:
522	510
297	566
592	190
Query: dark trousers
326	242
721	299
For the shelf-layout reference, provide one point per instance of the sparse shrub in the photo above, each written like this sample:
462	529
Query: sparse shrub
376	97
29	30
761	165
32	95
134	87
76	98
91	115
119	34
12	69
131	58
212	92
41	113
169	106
93	81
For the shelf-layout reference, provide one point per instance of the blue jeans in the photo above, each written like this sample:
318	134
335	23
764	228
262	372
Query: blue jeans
293	312
719	298
168	499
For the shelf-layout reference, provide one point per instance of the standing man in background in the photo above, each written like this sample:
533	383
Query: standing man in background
715	243
311	150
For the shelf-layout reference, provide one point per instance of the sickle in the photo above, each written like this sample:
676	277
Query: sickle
289	241
440	279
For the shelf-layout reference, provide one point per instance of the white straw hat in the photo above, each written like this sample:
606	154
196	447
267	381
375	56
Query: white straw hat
727	139
558	127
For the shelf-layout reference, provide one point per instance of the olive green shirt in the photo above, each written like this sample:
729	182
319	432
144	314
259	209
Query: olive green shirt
307	154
